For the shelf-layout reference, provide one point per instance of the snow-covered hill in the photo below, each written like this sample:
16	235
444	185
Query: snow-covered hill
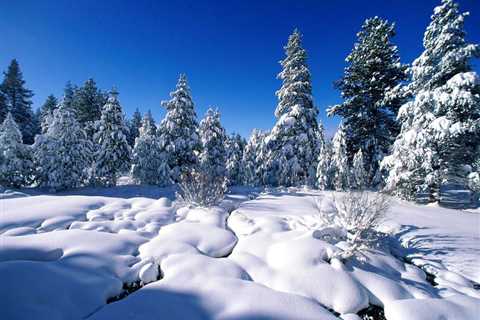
131	253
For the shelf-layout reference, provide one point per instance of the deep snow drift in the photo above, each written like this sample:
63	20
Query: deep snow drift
63	256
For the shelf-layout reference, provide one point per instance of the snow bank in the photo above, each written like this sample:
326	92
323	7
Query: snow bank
454	307
212	298
434	234
63	274
62	257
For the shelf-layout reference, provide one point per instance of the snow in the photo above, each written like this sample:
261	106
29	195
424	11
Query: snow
209	240
148	273
63	256
454	307
435	234
63	274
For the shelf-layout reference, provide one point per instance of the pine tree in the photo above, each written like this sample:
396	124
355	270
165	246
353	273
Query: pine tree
88	102
113	153
252	175
134	127
69	96
63	154
235	145
341	178
368	112
149	163
151	122
474	175
359	174
293	144
325	167
15	157
3	107
18	100
46	112
37	122
440	130
179	130
212	159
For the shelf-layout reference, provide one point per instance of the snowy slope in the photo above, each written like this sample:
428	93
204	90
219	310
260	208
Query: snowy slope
63	256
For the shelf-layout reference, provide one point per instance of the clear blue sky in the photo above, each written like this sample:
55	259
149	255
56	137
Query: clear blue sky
229	49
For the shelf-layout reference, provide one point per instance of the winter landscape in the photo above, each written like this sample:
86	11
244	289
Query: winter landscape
106	215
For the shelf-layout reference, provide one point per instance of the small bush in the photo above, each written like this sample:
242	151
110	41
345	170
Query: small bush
198	189
354	219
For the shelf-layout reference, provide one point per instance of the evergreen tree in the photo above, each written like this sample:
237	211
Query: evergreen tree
37	122
293	145
213	158
359	174
46	112
63	154
18	100
151	122
179	130
149	163
474	175
440	131
69	96
134	127
368	112
235	145
88	101
325	168
341	177
251	159
113	153
3	107
15	157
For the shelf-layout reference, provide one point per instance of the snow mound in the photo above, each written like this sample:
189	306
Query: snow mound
209	240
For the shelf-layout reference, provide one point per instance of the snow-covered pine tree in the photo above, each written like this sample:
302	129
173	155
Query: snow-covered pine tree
149	162
63	155
178	131
134	125
68	100
369	116
18	100
440	130
15	157
235	145
341	167
151	122
204	184
213	158
359	174
37	119
46	112
3	107
292	145
113	153
474	175
88	102
252	160
325	167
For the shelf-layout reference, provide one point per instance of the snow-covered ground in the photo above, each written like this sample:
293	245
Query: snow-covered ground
258	256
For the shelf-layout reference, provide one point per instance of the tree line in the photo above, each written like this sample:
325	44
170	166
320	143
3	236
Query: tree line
406	129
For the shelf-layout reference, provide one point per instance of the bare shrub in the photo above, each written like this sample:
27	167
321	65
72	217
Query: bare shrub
354	219
198	189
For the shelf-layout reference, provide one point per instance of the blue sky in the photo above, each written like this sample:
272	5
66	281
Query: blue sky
228	49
